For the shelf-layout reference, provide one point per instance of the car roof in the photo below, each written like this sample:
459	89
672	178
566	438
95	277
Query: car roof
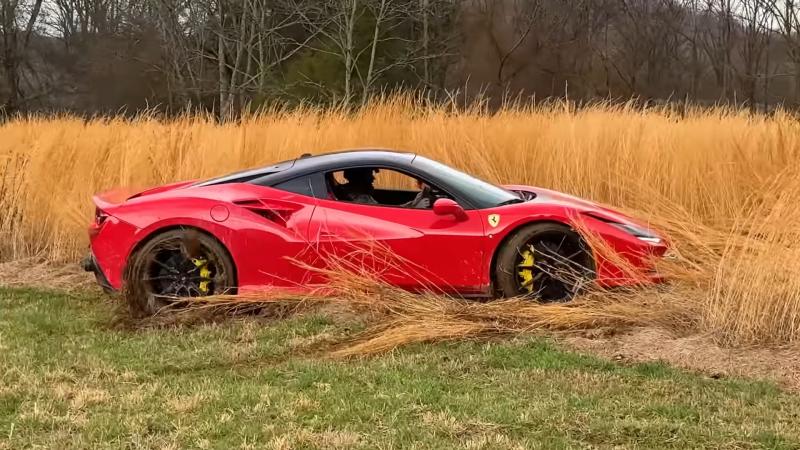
346	158
316	163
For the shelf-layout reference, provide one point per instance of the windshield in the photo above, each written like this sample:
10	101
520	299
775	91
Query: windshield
482	193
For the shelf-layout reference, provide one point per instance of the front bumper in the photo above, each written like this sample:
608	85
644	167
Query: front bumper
89	264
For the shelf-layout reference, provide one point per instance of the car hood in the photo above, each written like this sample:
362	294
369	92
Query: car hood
555	198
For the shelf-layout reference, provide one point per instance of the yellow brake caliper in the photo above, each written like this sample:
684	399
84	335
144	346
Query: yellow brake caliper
205	273
525	270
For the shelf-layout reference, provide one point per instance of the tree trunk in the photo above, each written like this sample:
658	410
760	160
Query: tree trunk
373	52
10	49
767	76
241	42
11	104
224	82
426	73
796	87
349	62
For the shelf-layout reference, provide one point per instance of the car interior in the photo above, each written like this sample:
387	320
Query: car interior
390	187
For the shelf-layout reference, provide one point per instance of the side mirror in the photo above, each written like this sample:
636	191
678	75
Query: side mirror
447	207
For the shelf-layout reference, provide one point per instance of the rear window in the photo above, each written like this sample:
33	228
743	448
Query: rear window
300	186
245	176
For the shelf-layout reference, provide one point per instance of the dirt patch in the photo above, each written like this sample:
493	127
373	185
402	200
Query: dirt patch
39	273
697	353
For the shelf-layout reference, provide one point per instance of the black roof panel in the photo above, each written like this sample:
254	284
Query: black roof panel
327	161
310	164
244	176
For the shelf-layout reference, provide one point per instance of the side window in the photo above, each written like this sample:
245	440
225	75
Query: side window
300	186
381	186
397	181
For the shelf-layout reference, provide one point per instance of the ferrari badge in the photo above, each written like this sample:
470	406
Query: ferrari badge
494	220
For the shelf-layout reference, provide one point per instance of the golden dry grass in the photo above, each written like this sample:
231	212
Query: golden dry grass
721	183
396	317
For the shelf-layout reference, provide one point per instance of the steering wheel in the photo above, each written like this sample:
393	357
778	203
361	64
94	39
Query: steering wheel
434	194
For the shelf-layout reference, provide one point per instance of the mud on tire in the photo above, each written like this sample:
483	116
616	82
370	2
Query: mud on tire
173	266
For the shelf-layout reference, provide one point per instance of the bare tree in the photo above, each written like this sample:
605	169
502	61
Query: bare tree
511	26
182	28
690	29
389	18
228	54
754	20
645	46
383	12
228	47
436	39
549	41
339	28
718	41
785	15
335	21
84	17
17	21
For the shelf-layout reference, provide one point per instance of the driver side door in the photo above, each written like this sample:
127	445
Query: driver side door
415	249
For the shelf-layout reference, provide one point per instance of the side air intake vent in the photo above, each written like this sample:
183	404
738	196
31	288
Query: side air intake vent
277	212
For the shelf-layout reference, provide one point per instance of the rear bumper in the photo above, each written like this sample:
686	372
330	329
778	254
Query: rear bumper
89	264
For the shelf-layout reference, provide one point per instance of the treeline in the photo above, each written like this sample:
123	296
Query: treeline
111	56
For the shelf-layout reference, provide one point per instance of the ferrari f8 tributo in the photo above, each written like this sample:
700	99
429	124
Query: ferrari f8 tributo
268	228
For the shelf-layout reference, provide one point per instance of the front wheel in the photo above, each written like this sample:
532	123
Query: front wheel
176	265
545	261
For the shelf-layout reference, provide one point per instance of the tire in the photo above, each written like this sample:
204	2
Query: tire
175	265
544	261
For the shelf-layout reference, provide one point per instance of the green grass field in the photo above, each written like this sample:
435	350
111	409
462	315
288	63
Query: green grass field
71	379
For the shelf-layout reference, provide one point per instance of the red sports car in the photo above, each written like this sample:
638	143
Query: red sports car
266	228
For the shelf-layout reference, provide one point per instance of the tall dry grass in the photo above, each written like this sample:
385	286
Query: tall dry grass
722	183
396	317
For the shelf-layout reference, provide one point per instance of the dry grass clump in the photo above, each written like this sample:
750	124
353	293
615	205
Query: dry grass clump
41	273
413	319
755	296
721	183
396	317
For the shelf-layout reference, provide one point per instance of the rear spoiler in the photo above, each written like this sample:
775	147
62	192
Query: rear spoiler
102	203
116	197
163	188
109	199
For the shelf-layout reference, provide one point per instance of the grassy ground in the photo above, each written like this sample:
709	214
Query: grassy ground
72	380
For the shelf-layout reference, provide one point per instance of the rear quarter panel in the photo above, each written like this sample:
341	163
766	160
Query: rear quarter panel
260	248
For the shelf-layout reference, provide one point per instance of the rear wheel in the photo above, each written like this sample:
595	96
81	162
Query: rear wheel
545	261
176	265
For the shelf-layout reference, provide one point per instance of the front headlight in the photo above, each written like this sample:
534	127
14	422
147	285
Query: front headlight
640	233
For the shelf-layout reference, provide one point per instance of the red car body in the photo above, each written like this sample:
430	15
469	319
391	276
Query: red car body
266	229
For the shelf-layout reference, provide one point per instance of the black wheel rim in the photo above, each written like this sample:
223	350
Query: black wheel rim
179	269
552	267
